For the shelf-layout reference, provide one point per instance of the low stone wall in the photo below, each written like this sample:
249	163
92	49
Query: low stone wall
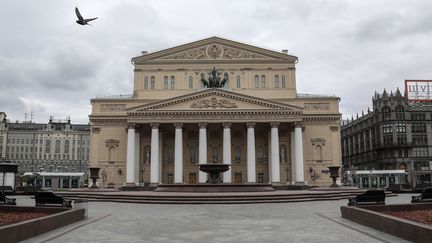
20	231
409	230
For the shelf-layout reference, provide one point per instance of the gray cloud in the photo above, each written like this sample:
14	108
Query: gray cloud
347	48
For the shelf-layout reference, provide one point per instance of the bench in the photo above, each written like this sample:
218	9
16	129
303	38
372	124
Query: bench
6	200
426	195
369	197
51	199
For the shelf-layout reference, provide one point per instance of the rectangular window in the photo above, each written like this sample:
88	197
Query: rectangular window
152	82
400	127
166	82
256	81
276	81
190	82
263	81
172	82
238	81
387	128
146	82
283	81
170	178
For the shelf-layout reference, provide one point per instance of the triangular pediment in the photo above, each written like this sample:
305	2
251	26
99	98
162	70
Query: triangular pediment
213	49
213	100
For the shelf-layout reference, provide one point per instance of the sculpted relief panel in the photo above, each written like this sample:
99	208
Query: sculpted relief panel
213	103
317	106
215	51
113	107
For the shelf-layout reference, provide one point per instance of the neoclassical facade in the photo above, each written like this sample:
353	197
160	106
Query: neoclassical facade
254	120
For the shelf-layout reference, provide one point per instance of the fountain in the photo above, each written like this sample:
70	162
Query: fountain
214	171
334	173
94	175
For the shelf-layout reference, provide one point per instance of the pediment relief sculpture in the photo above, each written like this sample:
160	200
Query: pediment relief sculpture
112	141
318	140
215	51
213	103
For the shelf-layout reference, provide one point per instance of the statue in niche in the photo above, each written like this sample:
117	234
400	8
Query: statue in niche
147	155
214	80
282	153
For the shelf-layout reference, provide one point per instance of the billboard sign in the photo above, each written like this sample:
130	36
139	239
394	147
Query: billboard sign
418	90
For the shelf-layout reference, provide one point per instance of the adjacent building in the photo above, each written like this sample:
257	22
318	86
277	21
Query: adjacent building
395	135
56	147
215	101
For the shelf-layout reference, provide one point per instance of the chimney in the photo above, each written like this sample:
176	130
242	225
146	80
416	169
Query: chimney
285	52
144	52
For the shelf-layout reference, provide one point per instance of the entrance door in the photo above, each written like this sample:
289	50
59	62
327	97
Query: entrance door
192	178
238	178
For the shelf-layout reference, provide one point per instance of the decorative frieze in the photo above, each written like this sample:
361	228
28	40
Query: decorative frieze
317	106
113	107
214	51
213	103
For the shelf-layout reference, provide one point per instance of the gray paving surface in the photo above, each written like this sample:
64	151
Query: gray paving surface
285	222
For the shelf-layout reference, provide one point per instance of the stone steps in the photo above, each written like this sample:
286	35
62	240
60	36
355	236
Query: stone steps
211	199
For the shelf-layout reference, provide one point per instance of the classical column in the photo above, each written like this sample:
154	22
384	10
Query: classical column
137	156
130	156
275	171
178	154
293	172
154	154
299	163
202	155
251	167
227	151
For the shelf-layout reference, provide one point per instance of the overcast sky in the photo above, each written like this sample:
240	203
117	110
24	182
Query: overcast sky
52	65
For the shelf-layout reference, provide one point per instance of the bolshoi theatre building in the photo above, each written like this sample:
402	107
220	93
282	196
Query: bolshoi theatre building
215	101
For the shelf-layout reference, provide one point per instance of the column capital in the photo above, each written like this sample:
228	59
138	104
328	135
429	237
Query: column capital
274	124
226	124
131	125
298	124
154	125
202	124
178	125
250	124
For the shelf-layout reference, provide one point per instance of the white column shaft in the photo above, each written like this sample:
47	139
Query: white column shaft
178	153
130	156
202	156
251	167
293	172
299	163
275	155
154	156
227	153
137	158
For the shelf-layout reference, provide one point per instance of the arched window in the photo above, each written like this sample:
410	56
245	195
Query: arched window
146	82
192	153
47	146
386	113
152	82
400	112
256	81
172	82
57	146
276	81
190	82
166	82
263	81
238	81
66	149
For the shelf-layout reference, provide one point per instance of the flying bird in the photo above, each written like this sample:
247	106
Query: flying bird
81	20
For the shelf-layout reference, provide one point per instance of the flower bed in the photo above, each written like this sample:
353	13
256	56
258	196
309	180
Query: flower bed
422	216
15	217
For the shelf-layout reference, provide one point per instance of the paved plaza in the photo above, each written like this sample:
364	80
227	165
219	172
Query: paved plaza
284	222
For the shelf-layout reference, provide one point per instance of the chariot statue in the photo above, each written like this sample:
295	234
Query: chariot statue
214	80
